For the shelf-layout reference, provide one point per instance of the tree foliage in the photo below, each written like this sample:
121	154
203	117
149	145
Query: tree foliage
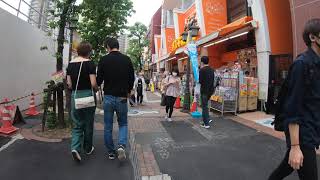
62	12
102	18
137	43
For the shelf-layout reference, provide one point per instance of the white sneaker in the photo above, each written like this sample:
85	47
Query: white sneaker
76	156
121	153
166	116
89	153
204	126
169	120
210	121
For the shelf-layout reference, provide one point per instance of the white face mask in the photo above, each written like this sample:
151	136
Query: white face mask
174	74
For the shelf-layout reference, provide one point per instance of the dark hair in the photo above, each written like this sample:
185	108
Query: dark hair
311	27
111	43
84	49
205	59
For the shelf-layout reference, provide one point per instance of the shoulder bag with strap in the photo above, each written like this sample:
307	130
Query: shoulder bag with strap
84	102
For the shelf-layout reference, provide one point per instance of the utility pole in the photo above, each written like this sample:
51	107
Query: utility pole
187	94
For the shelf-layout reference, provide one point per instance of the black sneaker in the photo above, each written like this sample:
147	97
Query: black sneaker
112	156
76	156
121	153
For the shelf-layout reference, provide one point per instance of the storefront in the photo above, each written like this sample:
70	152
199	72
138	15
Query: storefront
232	53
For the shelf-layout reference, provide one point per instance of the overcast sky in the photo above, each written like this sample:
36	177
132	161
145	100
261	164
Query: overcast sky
145	9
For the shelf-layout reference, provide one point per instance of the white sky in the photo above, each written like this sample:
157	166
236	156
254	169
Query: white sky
145	9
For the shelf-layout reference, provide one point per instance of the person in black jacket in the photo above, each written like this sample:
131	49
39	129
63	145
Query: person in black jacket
301	108
206	79
117	73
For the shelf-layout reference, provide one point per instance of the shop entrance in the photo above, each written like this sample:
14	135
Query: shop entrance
278	71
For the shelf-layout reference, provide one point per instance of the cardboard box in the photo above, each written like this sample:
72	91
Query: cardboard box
243	88
243	104
253	87
252	103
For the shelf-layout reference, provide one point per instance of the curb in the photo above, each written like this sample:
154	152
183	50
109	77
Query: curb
135	149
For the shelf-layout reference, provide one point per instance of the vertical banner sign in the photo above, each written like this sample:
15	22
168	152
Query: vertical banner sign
193	55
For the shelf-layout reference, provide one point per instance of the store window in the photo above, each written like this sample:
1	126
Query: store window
186	4
170	18
237	9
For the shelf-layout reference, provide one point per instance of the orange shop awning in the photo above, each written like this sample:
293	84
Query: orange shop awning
236	25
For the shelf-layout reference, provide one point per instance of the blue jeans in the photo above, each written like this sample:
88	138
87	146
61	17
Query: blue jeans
119	106
205	109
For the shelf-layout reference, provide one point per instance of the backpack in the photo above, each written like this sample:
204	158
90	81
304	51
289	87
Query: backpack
282	96
139	87
279	106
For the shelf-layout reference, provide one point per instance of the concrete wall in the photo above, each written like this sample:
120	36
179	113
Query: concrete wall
23	67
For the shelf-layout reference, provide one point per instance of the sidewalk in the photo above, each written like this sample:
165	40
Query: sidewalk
236	147
185	151
36	158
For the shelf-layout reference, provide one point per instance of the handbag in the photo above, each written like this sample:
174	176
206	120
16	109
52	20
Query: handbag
163	100
84	102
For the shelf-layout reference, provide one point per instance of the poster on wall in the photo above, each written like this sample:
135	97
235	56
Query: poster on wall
215	14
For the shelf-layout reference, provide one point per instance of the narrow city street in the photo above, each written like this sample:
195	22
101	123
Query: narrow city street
179	149
231	71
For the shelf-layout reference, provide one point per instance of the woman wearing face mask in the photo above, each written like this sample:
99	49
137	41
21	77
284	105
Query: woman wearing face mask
172	87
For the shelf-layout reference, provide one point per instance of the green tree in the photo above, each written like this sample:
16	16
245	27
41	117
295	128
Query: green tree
137	43
102	18
63	12
134	53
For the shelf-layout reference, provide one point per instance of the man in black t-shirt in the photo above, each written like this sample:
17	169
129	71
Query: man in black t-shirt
116	71
206	79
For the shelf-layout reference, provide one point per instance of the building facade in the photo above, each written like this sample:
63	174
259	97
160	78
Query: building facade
123	43
38	13
227	28
302	11
153	35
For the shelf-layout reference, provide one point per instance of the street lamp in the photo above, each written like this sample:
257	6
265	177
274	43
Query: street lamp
187	94
72	26
185	36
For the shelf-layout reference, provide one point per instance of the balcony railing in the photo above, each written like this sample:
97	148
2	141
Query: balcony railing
25	11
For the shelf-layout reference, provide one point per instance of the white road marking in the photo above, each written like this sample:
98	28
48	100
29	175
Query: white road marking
14	138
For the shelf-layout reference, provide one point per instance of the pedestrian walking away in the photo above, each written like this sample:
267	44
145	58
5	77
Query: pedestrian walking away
116	71
206	79
172	91
140	87
300	109
81	78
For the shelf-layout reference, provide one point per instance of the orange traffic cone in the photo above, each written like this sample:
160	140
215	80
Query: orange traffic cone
177	104
7	121
193	107
32	111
